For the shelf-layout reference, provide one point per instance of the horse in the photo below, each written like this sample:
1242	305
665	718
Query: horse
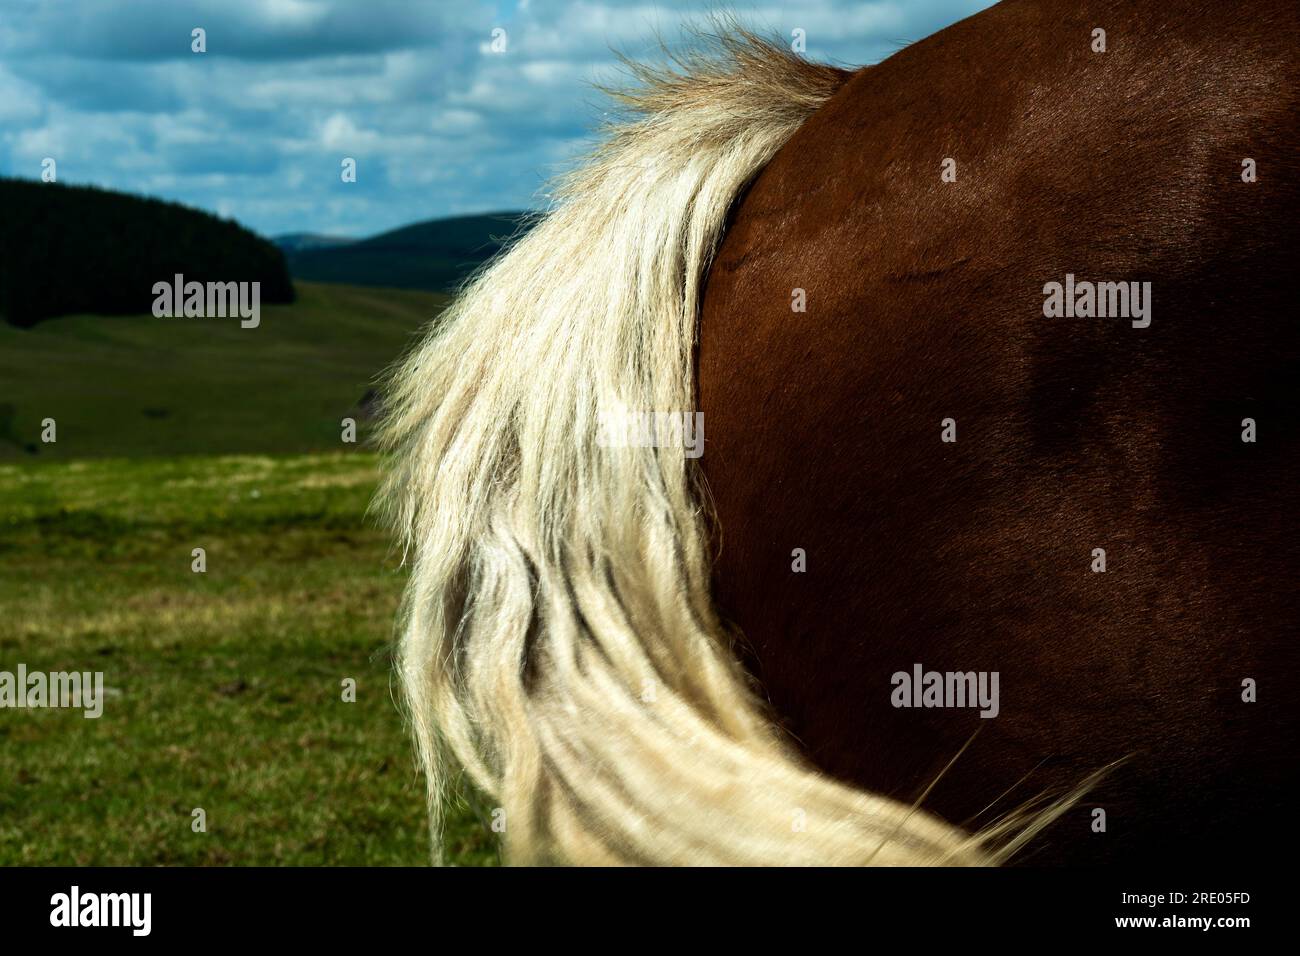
990	552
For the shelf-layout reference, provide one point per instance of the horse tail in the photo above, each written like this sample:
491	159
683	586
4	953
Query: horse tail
558	638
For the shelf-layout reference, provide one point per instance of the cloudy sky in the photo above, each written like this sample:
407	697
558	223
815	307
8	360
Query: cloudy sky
438	122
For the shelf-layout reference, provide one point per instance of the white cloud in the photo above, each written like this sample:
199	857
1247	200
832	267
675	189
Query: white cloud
257	125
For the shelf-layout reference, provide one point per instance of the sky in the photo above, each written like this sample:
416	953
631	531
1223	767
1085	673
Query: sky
438	121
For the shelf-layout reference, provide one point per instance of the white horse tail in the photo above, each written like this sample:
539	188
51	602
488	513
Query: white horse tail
559	641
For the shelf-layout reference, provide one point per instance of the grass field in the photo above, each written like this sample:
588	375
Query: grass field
126	386
224	687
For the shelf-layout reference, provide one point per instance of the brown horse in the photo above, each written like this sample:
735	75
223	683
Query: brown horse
999	482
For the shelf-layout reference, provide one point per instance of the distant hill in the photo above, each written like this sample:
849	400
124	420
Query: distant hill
301	241
435	255
77	249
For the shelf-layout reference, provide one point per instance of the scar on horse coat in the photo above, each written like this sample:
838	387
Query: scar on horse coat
642	658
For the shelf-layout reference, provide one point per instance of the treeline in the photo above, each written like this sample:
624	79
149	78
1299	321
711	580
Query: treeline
78	249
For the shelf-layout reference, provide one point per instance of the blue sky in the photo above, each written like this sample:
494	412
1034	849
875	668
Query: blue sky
439	124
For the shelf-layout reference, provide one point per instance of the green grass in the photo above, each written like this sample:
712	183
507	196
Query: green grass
125	386
225	686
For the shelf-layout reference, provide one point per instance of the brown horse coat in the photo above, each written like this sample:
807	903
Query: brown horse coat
925	302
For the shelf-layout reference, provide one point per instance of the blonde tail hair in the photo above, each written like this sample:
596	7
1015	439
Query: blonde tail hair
559	641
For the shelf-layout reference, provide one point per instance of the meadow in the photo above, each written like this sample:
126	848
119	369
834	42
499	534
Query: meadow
133	386
224	689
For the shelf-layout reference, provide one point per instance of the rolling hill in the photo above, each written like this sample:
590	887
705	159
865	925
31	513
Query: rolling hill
78	249
144	386
435	255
